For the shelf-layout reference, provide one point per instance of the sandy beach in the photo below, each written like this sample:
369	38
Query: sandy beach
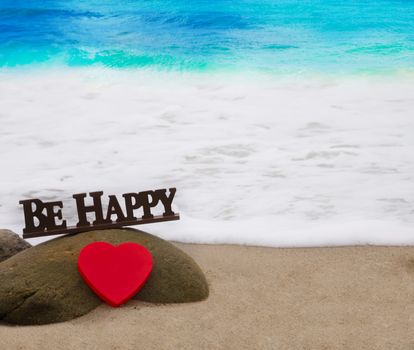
285	129
260	298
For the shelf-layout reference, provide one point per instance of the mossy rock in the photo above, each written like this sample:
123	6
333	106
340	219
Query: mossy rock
42	284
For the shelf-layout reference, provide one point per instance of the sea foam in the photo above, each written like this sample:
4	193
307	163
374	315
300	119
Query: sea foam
260	161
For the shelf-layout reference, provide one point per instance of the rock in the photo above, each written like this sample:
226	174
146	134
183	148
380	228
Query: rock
42	284
10	244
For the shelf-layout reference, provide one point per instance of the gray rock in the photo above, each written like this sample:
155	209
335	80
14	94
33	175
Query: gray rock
11	244
42	284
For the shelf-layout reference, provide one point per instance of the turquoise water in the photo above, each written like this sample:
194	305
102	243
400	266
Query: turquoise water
281	36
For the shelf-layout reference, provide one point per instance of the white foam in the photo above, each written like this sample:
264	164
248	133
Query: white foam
255	161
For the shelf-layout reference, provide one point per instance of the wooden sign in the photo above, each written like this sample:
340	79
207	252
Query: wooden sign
46	218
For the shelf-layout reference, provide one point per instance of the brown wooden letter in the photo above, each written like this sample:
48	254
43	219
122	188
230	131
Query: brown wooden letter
166	201
30	215
147	204
130	206
52	214
83	208
114	208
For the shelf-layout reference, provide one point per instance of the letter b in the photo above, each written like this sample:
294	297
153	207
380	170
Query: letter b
30	214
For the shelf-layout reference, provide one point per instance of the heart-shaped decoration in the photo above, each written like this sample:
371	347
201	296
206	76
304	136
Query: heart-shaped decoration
115	273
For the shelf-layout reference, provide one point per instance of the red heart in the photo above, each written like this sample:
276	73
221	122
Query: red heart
115	273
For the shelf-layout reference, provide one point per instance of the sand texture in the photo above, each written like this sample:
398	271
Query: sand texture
260	298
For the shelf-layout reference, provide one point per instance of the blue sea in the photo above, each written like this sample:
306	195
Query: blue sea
274	36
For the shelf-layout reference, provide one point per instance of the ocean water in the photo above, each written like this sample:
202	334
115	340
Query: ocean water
271	36
281	123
